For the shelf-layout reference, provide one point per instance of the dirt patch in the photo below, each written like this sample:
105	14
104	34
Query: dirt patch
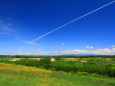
71	59
36	58
53	59
84	61
15	59
108	59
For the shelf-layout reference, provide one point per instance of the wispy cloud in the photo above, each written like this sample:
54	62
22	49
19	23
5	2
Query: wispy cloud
3	33
30	42
20	49
6	28
63	44
112	45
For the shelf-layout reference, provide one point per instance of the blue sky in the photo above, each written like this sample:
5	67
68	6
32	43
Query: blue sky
22	21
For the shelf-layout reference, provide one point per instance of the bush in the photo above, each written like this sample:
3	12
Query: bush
46	62
27	62
57	58
17	56
113	59
95	75
98	60
41	67
53	69
91	62
103	76
72	72
83	73
6	61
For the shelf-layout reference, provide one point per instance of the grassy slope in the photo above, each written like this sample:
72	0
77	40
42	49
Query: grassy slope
16	75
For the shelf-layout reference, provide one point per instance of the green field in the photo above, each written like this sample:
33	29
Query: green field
104	62
9	58
17	75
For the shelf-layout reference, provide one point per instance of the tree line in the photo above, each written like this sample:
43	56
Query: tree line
89	56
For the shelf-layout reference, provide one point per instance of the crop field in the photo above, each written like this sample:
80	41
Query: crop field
17	75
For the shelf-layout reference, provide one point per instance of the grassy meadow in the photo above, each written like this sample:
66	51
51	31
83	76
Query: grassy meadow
17	75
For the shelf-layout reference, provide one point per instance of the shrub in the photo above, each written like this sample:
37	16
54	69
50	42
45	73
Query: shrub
95	75
41	67
103	76
53	69
27	62
45	62
91	62
17	56
72	72
6	61
83	73
98	60
113	59
57	58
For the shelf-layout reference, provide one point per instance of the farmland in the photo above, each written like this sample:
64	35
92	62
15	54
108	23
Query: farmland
57	71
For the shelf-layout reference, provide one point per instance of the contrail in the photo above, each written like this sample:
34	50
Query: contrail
74	20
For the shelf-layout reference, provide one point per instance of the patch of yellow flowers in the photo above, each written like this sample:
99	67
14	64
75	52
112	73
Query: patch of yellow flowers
22	68
12	71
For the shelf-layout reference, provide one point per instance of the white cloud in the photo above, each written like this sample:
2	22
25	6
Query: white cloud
30	42
112	45
6	28
105	51
89	47
63	44
20	49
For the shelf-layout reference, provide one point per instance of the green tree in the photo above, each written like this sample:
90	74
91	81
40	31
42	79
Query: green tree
17	56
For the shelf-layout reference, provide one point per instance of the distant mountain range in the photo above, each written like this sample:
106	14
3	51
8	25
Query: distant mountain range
63	55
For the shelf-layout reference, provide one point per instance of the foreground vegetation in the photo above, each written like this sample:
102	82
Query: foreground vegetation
17	75
91	67
60	71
